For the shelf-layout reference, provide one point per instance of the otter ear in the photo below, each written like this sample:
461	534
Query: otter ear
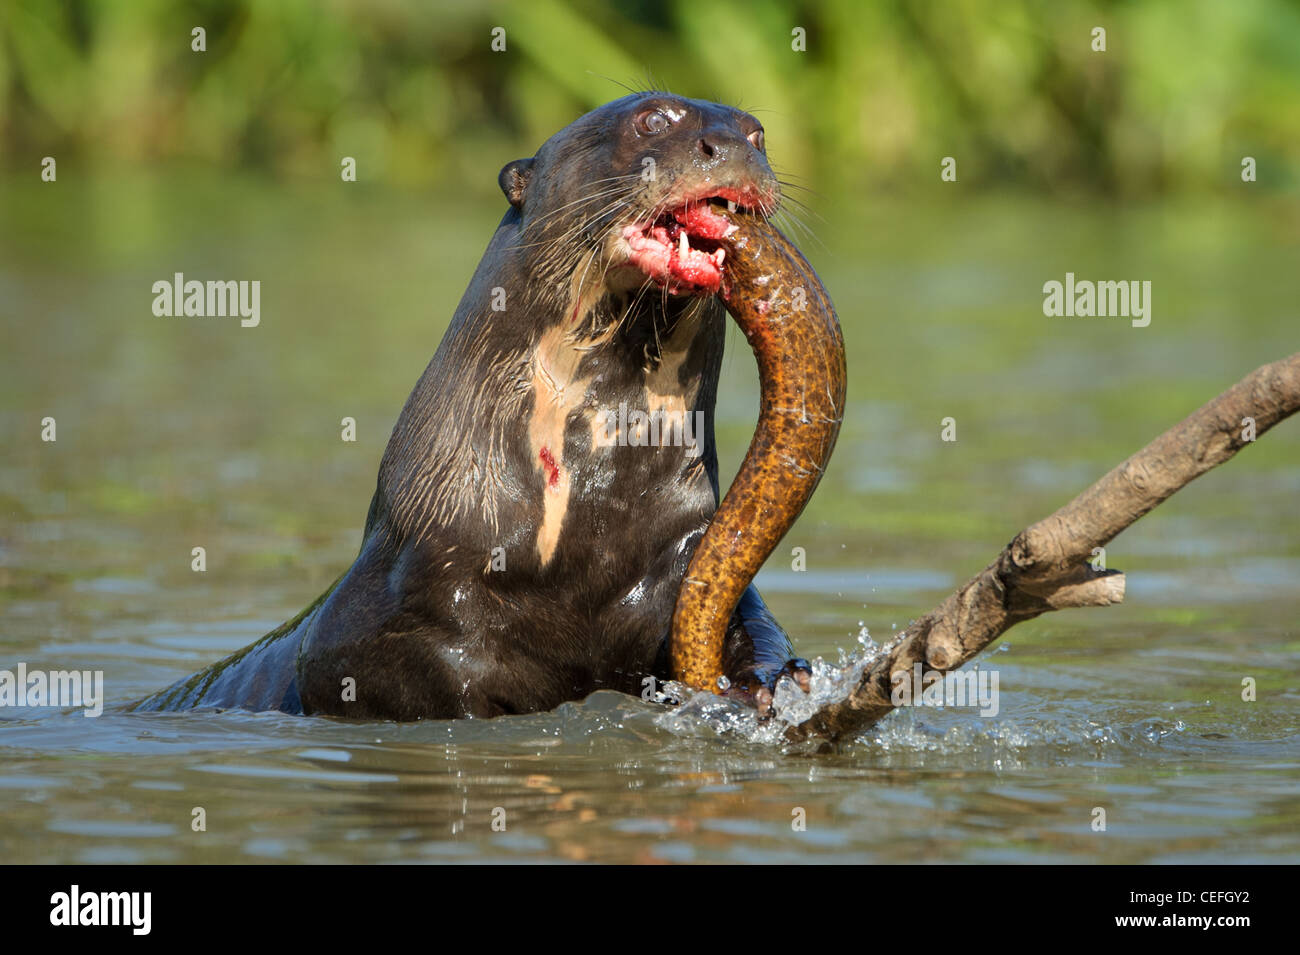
514	180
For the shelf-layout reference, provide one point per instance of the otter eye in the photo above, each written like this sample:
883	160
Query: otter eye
653	121
756	139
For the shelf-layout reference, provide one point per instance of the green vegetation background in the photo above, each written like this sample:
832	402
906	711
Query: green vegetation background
415	93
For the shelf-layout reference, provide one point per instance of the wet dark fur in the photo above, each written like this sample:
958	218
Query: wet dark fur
419	621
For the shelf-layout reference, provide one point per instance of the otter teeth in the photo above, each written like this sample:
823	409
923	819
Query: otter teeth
718	256
731	205
683	244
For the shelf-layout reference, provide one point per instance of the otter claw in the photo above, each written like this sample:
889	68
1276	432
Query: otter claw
798	669
761	694
757	696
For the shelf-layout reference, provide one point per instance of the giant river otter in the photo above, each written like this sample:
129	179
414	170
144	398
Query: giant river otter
554	471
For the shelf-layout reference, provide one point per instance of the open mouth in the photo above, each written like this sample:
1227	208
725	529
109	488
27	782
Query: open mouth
682	249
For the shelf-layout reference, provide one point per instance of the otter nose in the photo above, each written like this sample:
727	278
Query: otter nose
723	142
713	146
726	156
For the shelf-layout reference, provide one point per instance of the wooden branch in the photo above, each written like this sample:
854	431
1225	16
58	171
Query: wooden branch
1047	566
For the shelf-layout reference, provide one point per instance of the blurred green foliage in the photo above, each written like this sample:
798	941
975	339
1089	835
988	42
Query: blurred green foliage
885	89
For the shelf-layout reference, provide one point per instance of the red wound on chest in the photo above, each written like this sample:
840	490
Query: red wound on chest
552	469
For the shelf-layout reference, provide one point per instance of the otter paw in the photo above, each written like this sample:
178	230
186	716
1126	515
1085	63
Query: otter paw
758	693
799	670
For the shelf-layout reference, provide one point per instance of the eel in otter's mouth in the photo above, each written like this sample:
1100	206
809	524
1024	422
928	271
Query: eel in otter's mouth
780	304
683	249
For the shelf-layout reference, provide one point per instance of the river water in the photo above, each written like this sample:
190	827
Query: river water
177	433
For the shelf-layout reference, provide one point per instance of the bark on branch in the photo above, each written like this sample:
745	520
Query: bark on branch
1048	565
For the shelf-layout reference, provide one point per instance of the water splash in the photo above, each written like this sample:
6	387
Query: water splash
698	713
913	732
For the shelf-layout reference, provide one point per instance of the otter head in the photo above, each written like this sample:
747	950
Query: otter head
623	197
